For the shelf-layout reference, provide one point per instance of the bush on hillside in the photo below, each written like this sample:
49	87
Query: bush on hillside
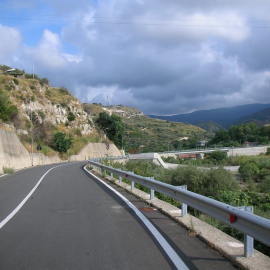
61	142
7	110
113	127
217	156
249	170
71	116
44	81
209	183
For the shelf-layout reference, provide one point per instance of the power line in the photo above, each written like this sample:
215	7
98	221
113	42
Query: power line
97	20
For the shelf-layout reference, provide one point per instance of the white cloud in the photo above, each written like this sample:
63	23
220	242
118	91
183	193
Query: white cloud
10	44
49	53
160	56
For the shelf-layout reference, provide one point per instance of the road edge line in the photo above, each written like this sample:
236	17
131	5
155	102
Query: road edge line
169	251
21	204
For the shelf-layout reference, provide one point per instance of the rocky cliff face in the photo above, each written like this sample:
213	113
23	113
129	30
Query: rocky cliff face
123	111
40	102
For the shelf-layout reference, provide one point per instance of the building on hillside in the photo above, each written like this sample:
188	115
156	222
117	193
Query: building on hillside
14	72
189	156
248	144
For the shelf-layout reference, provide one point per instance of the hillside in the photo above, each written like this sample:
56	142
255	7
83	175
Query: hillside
34	108
145	134
262	117
224	117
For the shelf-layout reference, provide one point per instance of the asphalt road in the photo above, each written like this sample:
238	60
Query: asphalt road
72	222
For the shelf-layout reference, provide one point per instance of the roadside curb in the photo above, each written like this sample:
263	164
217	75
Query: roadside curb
228	246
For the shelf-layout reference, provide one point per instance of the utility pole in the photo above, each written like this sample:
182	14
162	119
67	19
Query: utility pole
31	131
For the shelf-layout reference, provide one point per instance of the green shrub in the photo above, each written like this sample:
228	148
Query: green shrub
41	114
235	198
217	156
16	81
113	126
44	81
249	170
7	110
9	87
28	76
264	186
64	91
209	183
218	180
7	170
61	142
71	116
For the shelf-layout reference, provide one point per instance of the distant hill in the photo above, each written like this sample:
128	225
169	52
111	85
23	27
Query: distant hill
145	134
210	126
262	117
224	117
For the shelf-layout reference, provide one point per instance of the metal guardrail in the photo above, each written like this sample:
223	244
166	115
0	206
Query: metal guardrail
248	223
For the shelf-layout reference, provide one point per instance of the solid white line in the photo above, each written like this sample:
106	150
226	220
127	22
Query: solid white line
3	175
19	206
177	261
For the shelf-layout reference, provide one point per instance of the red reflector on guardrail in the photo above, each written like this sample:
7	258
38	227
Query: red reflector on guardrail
233	218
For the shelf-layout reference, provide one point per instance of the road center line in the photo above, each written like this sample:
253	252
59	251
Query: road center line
171	253
19	206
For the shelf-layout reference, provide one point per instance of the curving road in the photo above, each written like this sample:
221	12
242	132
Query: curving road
72	222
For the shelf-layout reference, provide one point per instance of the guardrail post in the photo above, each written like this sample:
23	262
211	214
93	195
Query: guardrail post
248	240
120	179
183	206
152	194
152	191
132	185
111	175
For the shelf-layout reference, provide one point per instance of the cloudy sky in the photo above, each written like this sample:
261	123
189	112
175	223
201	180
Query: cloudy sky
161	56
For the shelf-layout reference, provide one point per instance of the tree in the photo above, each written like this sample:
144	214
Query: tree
217	156
61	142
238	134
113	127
249	170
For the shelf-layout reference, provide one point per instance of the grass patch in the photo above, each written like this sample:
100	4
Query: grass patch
8	170
80	142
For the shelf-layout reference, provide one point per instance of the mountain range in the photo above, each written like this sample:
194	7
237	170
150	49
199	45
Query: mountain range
223	117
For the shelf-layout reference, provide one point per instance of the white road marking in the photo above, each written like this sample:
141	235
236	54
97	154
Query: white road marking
176	260
3	175
19	206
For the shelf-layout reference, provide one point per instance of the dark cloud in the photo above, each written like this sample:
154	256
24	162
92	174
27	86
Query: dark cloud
159	56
